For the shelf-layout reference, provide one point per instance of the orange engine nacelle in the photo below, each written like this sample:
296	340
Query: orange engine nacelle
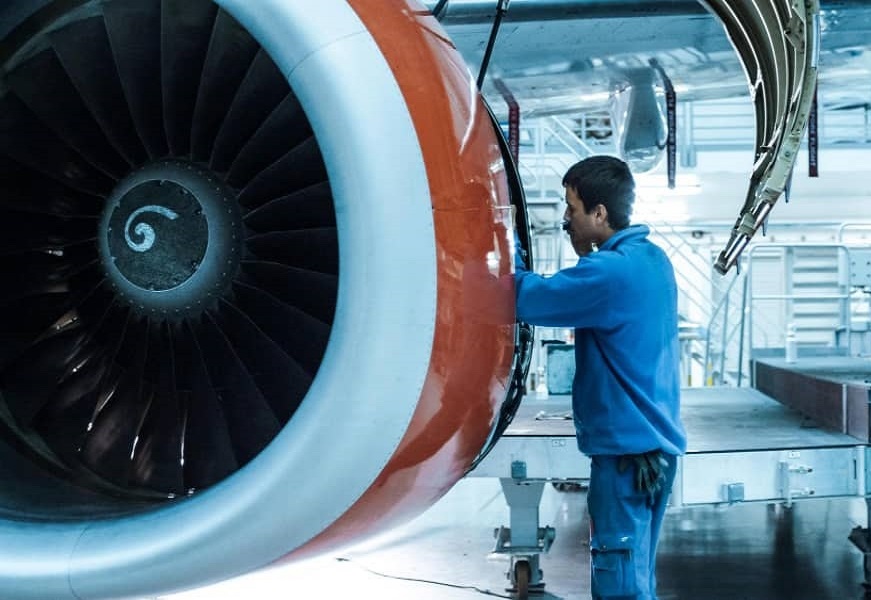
257	298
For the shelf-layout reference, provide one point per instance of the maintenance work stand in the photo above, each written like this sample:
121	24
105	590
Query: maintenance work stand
744	446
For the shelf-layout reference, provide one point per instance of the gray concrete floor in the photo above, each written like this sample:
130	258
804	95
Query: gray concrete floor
743	552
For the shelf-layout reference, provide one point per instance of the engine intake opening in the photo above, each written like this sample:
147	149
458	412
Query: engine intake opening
168	253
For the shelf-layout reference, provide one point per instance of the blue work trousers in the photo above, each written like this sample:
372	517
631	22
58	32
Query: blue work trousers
624	530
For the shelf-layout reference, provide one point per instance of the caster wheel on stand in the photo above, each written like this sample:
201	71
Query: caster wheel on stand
522	575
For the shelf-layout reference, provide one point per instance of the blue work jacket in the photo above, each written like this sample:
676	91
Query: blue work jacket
622	303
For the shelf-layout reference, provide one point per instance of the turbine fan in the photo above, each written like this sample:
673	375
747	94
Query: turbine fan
172	315
168	239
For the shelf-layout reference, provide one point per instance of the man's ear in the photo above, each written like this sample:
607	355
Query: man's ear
601	213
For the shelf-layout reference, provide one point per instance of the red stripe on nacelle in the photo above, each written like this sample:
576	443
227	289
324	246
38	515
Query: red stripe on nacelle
474	338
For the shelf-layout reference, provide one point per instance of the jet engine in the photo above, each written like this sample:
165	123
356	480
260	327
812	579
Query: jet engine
257	297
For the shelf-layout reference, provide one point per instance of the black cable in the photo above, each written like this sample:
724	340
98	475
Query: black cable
414	580
439	8
501	9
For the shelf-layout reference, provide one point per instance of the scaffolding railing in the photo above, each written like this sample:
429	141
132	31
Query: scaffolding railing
790	297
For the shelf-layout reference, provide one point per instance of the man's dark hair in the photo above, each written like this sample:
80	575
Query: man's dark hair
604	180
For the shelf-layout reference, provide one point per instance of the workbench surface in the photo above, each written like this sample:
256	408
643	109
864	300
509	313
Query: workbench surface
717	419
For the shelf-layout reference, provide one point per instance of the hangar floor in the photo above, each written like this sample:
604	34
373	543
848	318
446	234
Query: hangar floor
744	552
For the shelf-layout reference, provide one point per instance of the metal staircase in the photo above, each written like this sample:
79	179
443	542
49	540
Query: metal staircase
821	306
722	351
805	288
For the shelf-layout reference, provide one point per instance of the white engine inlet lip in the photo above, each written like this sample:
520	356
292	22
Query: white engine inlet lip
371	376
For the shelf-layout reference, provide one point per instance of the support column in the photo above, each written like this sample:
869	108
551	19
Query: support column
524	541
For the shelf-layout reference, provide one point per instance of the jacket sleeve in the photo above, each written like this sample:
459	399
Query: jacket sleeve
578	296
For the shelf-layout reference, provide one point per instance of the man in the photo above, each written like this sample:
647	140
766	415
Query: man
621	298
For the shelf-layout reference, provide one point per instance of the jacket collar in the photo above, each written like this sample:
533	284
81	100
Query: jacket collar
633	232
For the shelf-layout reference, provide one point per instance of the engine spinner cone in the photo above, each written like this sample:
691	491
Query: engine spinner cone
171	239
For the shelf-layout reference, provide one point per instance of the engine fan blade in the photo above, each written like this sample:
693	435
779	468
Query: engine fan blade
186	28
27	320
250	420
157	460
38	273
64	420
306	208
299	334
207	449
29	381
312	292
259	95
284	130
27	141
310	249
22	233
230	55
26	191
134	33
299	168
281	379
46	89
110	444
85	52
